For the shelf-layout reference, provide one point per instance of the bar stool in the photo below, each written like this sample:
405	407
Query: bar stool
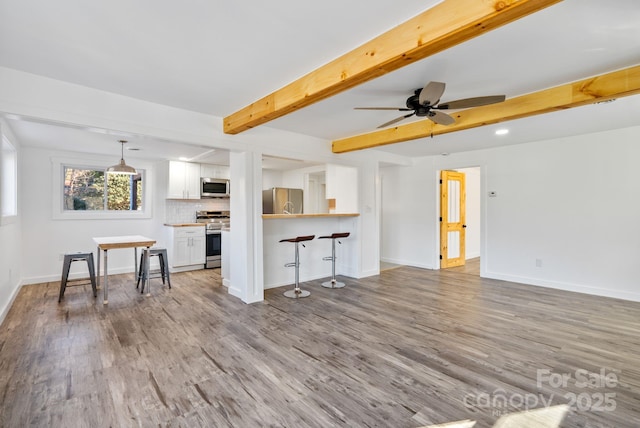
333	283
66	266
163	272
297	292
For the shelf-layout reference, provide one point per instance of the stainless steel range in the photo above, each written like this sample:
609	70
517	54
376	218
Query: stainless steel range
215	221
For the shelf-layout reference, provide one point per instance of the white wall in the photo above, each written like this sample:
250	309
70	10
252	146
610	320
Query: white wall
408	213
570	203
11	240
45	239
271	178
472	212
342	185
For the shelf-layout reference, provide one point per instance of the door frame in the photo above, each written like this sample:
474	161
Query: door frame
483	212
459	226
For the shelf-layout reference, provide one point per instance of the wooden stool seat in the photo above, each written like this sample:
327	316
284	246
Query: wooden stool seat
297	293
299	238
336	235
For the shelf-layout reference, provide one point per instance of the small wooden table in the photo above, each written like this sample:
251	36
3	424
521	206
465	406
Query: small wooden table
114	242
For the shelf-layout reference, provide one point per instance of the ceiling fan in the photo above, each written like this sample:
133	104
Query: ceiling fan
426	103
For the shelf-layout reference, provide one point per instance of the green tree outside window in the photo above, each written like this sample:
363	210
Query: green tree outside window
87	189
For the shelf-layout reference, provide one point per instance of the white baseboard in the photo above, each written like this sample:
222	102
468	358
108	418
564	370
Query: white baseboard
578	288
366	273
12	298
185	268
407	263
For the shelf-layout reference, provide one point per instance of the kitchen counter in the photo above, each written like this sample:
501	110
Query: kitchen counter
184	224
282	216
275	254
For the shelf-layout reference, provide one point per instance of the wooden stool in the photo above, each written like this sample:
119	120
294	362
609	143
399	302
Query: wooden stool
297	292
333	283
163	273
66	266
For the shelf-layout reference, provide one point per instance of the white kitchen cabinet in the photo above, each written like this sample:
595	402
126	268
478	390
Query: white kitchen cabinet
184	180
214	171
187	248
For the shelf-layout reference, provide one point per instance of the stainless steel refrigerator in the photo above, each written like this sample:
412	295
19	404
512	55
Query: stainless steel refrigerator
281	200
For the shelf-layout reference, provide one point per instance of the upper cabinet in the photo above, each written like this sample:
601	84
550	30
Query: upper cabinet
184	180
342	188
214	171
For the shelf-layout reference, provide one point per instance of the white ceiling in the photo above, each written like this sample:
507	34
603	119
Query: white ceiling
216	57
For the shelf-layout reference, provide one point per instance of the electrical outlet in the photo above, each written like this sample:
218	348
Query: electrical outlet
539	263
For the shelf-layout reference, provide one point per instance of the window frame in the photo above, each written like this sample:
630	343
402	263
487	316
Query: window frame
59	213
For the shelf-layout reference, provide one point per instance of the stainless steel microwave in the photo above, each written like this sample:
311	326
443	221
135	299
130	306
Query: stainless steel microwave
214	187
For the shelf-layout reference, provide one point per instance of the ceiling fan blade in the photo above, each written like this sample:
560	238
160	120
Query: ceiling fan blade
431	93
441	118
383	108
471	102
396	120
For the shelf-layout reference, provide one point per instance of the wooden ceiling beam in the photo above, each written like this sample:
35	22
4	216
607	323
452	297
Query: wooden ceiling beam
600	88
441	27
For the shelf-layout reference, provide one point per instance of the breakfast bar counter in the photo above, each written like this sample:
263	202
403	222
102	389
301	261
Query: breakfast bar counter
276	227
288	216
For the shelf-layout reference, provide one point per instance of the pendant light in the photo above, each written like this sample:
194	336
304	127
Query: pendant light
122	168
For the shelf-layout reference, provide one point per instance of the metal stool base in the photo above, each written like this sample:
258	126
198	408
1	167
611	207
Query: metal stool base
333	284
296	293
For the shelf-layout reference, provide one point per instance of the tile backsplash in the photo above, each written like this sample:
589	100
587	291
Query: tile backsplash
184	211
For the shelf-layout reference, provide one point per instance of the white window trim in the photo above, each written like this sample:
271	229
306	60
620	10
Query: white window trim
58	211
11	218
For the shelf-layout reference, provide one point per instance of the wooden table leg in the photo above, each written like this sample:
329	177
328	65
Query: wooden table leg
98	271
106	280
135	263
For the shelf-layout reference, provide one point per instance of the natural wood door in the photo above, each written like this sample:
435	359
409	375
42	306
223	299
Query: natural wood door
452	219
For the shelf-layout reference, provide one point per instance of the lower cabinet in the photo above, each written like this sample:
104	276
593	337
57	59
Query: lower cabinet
187	248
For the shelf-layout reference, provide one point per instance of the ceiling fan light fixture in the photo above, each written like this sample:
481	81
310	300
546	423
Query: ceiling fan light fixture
426	103
121	167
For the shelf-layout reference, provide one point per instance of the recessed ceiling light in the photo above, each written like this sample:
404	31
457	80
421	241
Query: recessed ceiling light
502	131
182	158
444	154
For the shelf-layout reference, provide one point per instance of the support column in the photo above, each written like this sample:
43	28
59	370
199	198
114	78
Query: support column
246	271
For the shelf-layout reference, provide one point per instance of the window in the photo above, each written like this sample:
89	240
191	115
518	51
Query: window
90	189
8	179
82	190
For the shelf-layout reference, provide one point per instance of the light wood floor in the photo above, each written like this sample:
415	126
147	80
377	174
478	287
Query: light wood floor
408	348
